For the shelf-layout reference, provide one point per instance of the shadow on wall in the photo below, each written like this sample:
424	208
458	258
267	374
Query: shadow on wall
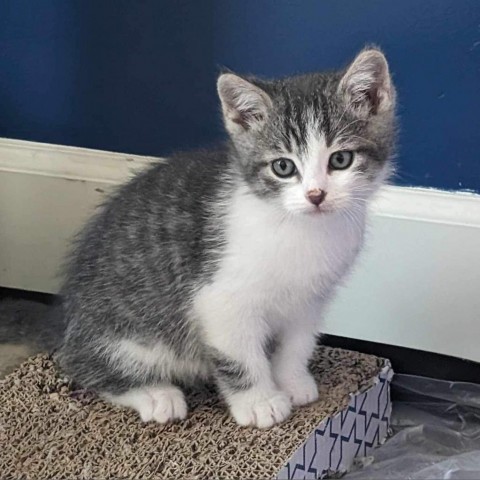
139	77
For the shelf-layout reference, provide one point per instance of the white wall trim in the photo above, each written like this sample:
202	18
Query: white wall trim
416	284
74	163
429	205
71	163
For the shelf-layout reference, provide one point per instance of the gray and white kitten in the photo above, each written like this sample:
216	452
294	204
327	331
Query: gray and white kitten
219	264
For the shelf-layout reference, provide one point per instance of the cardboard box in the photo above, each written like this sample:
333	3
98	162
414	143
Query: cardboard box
352	432
50	430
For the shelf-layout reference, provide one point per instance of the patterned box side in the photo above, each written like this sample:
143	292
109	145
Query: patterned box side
355	431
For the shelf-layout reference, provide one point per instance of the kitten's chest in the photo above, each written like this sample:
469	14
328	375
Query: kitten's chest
271	255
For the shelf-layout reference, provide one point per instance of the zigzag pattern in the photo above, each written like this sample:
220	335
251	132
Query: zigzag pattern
351	433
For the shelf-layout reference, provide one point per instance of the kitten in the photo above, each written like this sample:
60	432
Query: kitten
220	264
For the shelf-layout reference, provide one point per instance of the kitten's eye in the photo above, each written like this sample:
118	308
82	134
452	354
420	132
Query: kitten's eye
340	160
284	168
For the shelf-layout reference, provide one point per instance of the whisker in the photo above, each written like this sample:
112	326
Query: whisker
363	139
347	126
341	118
353	221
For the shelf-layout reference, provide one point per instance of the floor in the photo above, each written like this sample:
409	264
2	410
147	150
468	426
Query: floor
11	356
436	426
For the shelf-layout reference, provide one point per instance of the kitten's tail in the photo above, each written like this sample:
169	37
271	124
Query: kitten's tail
34	324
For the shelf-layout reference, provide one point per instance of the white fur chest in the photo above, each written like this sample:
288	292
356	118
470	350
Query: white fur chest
278	259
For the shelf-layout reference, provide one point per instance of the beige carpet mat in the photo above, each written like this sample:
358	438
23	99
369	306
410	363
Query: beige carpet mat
49	430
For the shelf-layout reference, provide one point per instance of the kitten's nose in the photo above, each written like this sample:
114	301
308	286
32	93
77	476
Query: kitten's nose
316	196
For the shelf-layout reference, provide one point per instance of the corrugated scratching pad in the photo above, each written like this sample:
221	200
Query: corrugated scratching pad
49	430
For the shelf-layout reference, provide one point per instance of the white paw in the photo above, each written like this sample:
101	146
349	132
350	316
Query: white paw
161	403
260	410
168	404
301	389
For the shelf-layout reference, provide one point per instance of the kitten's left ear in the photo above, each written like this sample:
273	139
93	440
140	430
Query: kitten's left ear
367	85
245	106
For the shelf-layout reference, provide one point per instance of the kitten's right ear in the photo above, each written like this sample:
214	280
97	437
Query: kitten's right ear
245	106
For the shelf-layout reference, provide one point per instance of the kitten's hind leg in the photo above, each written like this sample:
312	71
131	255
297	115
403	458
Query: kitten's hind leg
162	403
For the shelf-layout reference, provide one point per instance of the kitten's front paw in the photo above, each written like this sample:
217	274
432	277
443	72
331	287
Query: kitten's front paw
260	410
301	390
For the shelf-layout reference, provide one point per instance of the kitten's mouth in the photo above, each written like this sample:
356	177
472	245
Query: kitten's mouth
318	211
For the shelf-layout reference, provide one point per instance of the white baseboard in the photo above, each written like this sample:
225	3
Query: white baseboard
416	285
68	163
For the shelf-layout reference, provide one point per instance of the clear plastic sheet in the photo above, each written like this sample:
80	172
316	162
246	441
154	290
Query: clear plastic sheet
436	433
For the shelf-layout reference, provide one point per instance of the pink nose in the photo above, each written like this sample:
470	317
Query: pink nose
316	196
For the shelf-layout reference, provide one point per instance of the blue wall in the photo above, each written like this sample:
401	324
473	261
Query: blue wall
130	76
139	76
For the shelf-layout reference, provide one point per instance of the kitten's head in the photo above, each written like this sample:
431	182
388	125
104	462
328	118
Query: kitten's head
315	143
